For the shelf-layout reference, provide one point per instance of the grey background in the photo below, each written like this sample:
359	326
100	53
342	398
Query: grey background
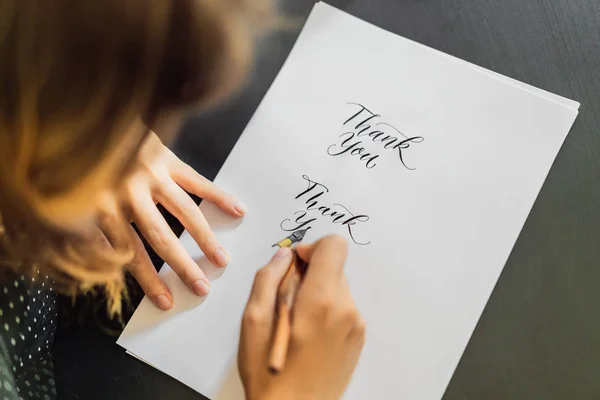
539	337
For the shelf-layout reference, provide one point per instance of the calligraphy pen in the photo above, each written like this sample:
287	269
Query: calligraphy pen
285	299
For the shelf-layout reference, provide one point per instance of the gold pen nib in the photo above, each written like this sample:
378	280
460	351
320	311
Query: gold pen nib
294	238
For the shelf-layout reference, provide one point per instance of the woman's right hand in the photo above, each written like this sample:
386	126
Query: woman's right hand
327	336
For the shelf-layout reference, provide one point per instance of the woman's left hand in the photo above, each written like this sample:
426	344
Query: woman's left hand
161	177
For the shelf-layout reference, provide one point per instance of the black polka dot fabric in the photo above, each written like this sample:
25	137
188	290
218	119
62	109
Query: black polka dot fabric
27	326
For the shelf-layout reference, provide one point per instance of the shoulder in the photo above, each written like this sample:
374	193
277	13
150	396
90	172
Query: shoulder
8	386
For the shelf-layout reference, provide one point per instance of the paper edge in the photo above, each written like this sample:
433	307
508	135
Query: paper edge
546	95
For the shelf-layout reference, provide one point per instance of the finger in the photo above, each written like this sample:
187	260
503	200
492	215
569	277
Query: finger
113	229
267	280
145	274
100	238
162	239
181	205
191	181
259	316
140	266
325	260
305	250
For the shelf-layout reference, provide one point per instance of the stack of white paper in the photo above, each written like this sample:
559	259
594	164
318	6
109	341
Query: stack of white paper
429	167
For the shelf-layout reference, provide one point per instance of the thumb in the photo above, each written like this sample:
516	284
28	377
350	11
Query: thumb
259	316
266	282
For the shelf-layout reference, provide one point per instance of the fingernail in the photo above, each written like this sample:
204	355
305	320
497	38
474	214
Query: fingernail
163	302
220	257
201	287
282	253
240	208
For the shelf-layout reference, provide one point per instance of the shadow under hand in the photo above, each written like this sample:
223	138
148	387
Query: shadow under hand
219	222
149	316
184	300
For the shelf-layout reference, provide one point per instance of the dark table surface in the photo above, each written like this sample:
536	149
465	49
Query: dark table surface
539	337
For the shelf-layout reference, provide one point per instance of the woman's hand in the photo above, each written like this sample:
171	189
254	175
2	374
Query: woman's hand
161	177
327	331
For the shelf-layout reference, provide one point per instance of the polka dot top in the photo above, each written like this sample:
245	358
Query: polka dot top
27	325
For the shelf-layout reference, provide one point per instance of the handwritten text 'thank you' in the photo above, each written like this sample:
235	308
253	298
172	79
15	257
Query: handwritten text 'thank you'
313	208
366	126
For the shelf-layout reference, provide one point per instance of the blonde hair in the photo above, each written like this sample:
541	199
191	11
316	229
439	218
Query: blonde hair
74	76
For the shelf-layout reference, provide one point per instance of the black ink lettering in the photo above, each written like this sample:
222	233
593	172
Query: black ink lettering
343	145
375	134
324	211
299	223
362	108
303	219
405	144
363	125
354	150
311	186
363	118
390	141
350	222
370	160
312	202
393	127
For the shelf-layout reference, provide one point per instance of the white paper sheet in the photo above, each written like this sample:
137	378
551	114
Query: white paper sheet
431	231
